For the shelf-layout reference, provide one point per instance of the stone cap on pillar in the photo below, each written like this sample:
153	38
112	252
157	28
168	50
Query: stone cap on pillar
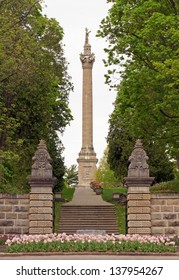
41	168
138	170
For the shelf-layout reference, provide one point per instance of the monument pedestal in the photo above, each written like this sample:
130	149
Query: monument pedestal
87	166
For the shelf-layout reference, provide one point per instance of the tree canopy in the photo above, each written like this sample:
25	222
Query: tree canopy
104	174
143	48
34	85
71	176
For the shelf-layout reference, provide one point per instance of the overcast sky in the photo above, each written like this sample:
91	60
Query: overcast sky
74	17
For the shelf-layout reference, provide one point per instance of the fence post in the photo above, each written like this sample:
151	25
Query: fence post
41	197
138	183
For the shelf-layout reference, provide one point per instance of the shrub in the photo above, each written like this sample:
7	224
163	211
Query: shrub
166	187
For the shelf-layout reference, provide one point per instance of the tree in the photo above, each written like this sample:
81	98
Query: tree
143	45
143	49
71	175
104	174
121	142
34	83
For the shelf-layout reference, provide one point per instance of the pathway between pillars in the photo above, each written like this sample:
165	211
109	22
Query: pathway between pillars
88	213
86	196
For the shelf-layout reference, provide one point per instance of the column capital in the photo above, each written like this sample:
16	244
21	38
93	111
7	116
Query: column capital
87	60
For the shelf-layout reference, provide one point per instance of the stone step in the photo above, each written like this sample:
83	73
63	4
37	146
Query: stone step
85	209
87	226
71	232
75	228
88	210
89	206
86	215
88	222
88	219
74	218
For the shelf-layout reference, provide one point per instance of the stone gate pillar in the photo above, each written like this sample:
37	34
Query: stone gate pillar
41	199
138	197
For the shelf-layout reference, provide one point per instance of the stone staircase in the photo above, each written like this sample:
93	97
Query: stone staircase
74	218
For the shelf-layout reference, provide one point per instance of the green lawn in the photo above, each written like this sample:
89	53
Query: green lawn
67	194
107	193
120	210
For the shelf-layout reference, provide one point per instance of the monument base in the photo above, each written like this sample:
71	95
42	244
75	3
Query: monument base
87	166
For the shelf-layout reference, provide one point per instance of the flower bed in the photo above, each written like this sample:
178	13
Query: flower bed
89	243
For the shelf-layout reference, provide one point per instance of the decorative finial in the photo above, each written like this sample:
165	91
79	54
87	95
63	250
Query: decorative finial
138	161
138	144
42	162
87	36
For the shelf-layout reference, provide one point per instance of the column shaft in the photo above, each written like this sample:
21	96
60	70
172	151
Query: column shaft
87	126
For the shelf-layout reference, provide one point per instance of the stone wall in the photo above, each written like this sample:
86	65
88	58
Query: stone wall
165	213
14	214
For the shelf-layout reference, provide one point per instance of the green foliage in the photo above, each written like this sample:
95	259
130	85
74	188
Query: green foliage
71	175
67	194
121	141
143	49
108	192
104	174
9	162
121	217
166	187
107	195
34	86
56	217
55	149
92	246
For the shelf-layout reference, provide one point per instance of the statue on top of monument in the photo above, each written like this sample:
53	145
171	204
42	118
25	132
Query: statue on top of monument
87	58
87	36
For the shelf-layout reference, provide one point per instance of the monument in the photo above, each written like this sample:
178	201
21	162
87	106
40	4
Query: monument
87	157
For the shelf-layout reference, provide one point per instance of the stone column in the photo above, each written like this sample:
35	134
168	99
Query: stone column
41	198
87	156
138	196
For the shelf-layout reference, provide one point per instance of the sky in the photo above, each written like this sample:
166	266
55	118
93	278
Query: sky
74	17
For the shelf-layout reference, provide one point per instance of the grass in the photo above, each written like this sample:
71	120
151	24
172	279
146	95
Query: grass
120	210
166	187
108	193
121	217
67	194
